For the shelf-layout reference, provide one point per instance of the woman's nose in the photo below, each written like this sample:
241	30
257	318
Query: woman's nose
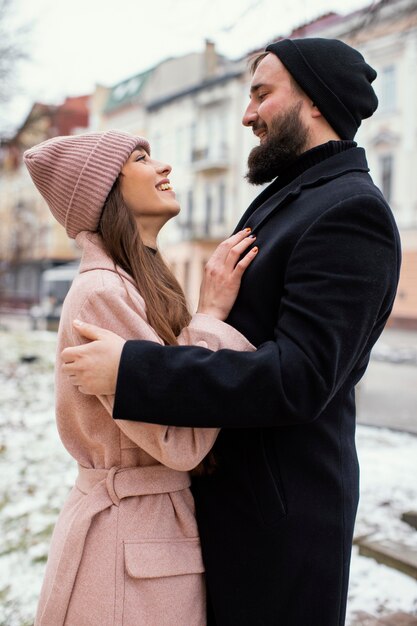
164	168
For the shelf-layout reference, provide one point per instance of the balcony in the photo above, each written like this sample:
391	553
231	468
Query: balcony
210	159
206	231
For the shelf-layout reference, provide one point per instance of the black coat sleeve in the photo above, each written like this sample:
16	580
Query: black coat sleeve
340	284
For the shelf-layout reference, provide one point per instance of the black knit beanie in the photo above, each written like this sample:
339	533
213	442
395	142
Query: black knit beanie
336	78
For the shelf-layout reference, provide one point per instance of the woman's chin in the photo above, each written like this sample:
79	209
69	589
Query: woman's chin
174	210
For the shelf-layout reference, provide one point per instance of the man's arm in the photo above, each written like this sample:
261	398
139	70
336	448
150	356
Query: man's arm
340	286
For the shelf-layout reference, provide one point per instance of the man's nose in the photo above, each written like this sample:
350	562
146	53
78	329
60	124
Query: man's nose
250	115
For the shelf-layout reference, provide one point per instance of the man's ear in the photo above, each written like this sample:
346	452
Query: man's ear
314	111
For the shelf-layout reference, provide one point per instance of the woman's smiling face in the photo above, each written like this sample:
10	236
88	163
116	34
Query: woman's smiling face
146	189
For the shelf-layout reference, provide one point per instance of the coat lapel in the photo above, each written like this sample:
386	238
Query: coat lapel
270	201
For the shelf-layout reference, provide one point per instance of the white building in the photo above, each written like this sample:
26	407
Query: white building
386	35
190	108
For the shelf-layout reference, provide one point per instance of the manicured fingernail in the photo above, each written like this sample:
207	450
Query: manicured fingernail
248	230
252	237
78	323
255	249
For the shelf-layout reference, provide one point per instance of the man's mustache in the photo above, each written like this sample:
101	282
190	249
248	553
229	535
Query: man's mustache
257	126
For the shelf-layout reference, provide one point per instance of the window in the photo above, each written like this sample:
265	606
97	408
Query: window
193	140
179	145
209	206
387	88
215	133
190	207
186	284
222	202
156	146
211	135
386	175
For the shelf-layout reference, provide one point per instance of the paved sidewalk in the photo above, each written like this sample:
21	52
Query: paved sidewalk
396	619
387	394
397	338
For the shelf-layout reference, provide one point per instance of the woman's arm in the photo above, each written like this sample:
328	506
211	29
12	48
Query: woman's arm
177	447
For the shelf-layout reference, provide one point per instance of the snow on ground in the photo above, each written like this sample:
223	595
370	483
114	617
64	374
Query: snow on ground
388	462
36	474
35	471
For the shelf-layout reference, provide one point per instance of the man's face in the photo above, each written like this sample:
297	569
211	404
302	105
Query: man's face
277	115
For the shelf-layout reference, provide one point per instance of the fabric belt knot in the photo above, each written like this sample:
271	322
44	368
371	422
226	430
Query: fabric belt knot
102	488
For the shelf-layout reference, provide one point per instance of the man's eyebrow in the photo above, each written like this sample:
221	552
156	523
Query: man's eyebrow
257	86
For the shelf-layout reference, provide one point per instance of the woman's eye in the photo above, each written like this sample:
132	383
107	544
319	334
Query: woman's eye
141	157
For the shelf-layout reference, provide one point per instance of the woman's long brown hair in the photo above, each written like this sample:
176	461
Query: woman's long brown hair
166	307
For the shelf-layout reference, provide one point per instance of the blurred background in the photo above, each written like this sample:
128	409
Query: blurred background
177	73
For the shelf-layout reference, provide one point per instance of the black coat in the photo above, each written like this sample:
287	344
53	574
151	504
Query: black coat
276	518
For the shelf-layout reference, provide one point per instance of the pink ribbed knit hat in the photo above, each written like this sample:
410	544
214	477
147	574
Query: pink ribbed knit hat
76	173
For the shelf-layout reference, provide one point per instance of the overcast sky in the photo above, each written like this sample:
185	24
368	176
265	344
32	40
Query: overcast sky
74	44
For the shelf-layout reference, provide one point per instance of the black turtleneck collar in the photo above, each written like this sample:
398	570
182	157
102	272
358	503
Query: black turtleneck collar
296	171
308	159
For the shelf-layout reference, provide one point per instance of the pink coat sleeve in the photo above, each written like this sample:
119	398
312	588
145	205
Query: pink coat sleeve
177	447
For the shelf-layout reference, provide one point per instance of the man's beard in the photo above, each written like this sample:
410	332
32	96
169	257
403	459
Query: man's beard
286	140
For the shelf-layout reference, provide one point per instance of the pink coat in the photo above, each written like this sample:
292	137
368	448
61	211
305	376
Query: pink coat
125	549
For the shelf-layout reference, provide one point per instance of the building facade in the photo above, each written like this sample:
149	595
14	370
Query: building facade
190	109
389	42
386	34
31	241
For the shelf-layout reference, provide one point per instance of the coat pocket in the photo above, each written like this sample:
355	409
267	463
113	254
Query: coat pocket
159	558
266	479
164	583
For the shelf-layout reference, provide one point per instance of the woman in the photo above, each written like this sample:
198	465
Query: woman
125	549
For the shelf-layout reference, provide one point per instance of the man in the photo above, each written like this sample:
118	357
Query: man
276	517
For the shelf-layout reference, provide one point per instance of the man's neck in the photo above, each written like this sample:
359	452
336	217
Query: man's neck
312	157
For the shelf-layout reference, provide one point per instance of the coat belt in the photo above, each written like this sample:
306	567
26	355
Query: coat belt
103	488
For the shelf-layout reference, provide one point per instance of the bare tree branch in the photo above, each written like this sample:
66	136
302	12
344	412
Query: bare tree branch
12	50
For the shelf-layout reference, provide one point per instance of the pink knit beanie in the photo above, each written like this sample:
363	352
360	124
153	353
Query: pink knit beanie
76	173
